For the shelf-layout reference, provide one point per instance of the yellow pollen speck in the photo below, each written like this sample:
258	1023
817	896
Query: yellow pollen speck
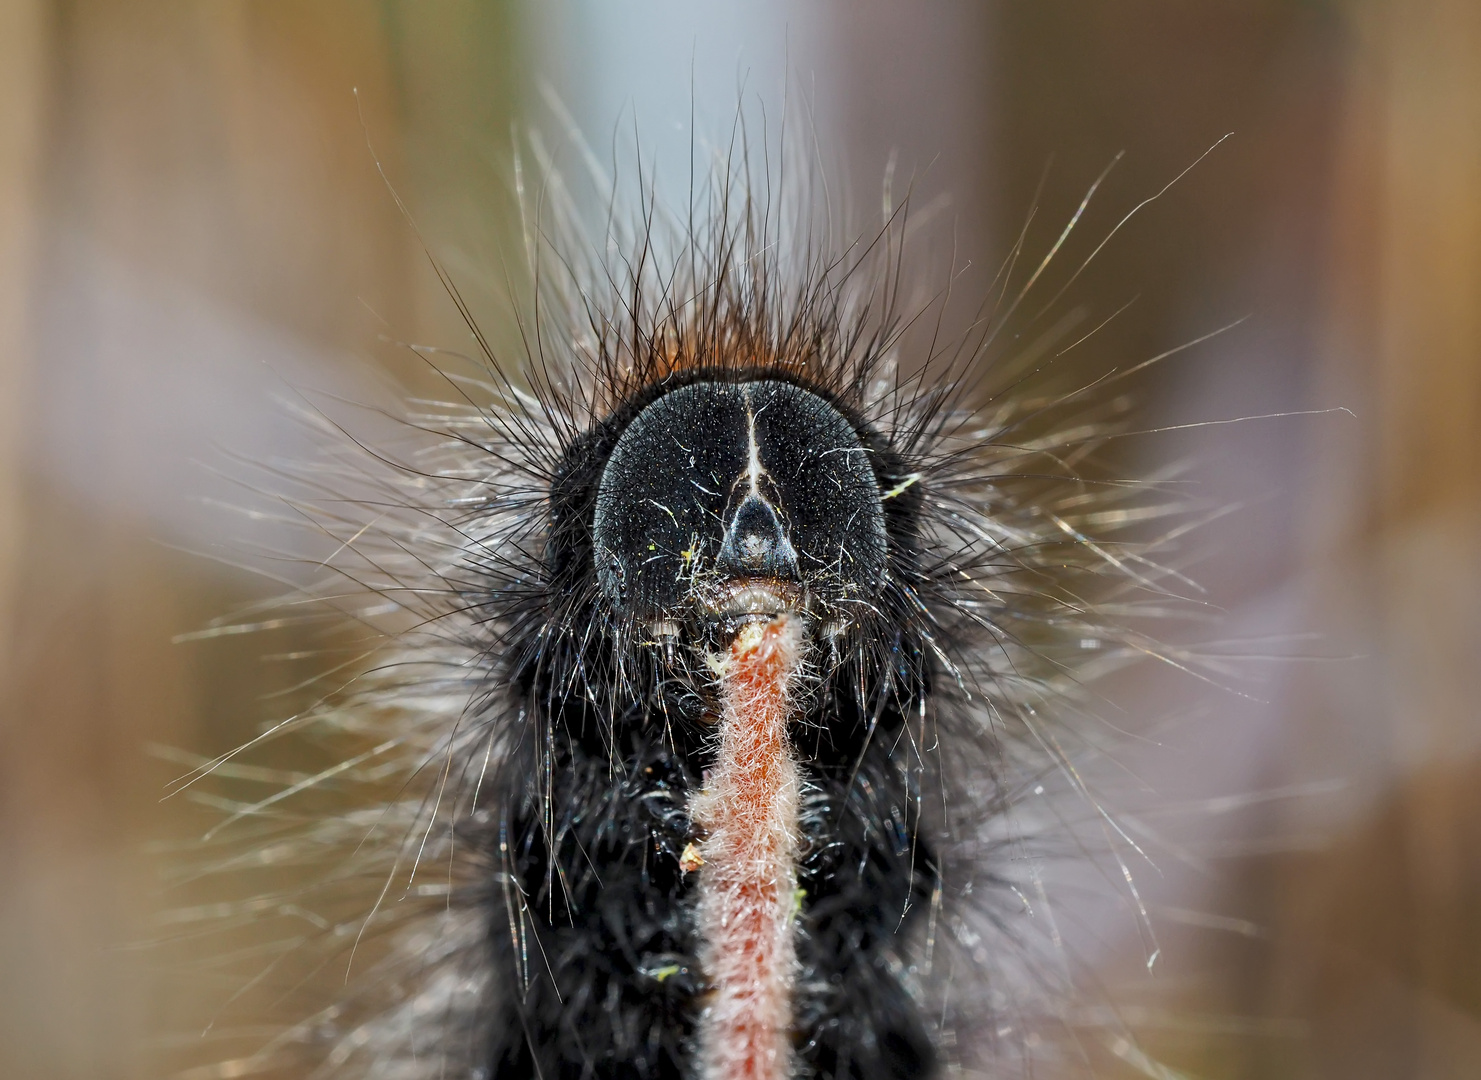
691	860
910	480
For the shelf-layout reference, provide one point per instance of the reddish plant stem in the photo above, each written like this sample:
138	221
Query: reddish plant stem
748	884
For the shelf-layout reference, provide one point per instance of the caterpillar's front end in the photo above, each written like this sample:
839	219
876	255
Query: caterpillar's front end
720	650
734	895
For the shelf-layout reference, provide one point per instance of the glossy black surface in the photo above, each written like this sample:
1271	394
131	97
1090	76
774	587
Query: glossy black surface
719	481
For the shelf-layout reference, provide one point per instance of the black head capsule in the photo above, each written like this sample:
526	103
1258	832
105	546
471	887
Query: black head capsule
724	502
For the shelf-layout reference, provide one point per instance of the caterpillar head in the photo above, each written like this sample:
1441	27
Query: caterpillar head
727	502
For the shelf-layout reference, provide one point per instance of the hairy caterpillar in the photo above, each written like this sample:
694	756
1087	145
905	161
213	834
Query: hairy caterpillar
718	648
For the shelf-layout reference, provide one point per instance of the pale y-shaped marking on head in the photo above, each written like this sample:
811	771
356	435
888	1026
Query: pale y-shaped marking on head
754	469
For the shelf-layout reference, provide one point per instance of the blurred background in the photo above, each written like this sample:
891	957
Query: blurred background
192	225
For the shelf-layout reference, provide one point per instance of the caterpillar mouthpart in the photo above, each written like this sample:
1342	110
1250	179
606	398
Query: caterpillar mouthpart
748	599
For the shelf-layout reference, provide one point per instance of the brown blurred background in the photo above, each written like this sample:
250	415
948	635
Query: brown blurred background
191	224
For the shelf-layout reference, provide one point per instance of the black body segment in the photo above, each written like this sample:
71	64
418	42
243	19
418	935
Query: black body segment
614	983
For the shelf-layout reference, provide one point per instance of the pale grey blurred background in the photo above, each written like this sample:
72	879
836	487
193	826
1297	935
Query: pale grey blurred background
191	224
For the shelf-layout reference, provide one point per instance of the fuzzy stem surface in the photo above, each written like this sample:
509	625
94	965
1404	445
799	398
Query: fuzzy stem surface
748	885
